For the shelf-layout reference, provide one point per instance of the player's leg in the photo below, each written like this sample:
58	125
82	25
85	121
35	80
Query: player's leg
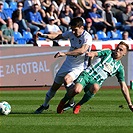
59	79
90	91
49	95
69	95
69	84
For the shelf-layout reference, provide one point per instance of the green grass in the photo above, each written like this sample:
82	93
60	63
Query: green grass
101	114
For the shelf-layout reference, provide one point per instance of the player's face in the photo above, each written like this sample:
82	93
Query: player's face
120	51
77	31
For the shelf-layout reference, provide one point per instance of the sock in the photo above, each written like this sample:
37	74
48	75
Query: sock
87	96
49	95
68	87
66	97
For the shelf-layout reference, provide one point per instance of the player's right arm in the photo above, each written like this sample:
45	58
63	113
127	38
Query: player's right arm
92	54
75	52
126	94
53	36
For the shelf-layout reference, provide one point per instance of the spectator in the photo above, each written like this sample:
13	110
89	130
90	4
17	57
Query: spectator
34	19
127	17
76	9
118	7
99	4
19	18
3	17
125	36
51	28
107	15
28	4
7	34
8	1
45	4
91	29
59	5
65	18
118	3
51	12
98	21
85	4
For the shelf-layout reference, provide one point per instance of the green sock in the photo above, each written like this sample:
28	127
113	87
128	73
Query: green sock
87	96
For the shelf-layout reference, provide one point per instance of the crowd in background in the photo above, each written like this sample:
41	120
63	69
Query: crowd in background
103	19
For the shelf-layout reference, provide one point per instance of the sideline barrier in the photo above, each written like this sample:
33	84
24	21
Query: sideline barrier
36	66
96	45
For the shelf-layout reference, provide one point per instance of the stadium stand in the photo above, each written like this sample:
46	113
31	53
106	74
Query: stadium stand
27	36
10	6
19	39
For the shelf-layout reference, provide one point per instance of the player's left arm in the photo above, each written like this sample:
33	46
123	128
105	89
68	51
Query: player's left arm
78	51
126	94
75	52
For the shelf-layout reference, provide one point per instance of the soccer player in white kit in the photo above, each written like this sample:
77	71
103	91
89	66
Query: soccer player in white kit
74	64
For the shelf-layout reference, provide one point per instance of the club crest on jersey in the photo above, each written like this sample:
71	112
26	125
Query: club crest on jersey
80	41
72	39
107	67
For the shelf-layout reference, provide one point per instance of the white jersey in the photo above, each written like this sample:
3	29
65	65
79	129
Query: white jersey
74	65
76	61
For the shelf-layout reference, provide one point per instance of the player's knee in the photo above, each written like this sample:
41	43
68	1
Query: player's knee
95	88
77	89
67	79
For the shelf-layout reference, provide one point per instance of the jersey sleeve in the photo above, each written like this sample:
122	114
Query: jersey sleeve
104	52
66	34
87	39
120	74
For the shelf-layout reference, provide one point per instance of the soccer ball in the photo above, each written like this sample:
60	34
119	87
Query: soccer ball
5	108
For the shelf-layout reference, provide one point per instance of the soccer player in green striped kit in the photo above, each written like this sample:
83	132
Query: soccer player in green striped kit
106	65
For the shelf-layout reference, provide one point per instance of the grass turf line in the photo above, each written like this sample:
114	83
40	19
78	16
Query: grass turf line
101	114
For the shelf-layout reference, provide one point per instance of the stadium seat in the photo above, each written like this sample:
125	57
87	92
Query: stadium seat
13	5
5	6
102	36
9	12
118	37
7	9
18	38
27	35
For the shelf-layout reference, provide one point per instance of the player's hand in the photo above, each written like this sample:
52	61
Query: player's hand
39	33
131	107
42	35
59	54
90	54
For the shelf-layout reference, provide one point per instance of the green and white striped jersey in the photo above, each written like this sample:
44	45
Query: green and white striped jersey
104	66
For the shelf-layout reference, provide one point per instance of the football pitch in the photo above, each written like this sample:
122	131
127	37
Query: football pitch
107	112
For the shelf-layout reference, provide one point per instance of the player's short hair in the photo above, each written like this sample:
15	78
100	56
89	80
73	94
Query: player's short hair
77	22
125	44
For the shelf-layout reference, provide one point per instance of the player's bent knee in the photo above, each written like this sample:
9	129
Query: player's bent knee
96	87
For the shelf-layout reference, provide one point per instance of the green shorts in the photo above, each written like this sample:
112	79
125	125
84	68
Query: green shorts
86	80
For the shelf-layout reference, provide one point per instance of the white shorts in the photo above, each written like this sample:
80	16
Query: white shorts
59	78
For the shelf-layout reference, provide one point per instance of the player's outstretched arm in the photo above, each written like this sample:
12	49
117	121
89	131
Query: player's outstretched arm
53	36
59	54
92	54
126	94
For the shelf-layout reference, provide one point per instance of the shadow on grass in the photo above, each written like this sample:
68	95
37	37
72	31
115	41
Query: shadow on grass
32	113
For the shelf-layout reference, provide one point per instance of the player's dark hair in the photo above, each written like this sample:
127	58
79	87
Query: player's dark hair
125	44
77	22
